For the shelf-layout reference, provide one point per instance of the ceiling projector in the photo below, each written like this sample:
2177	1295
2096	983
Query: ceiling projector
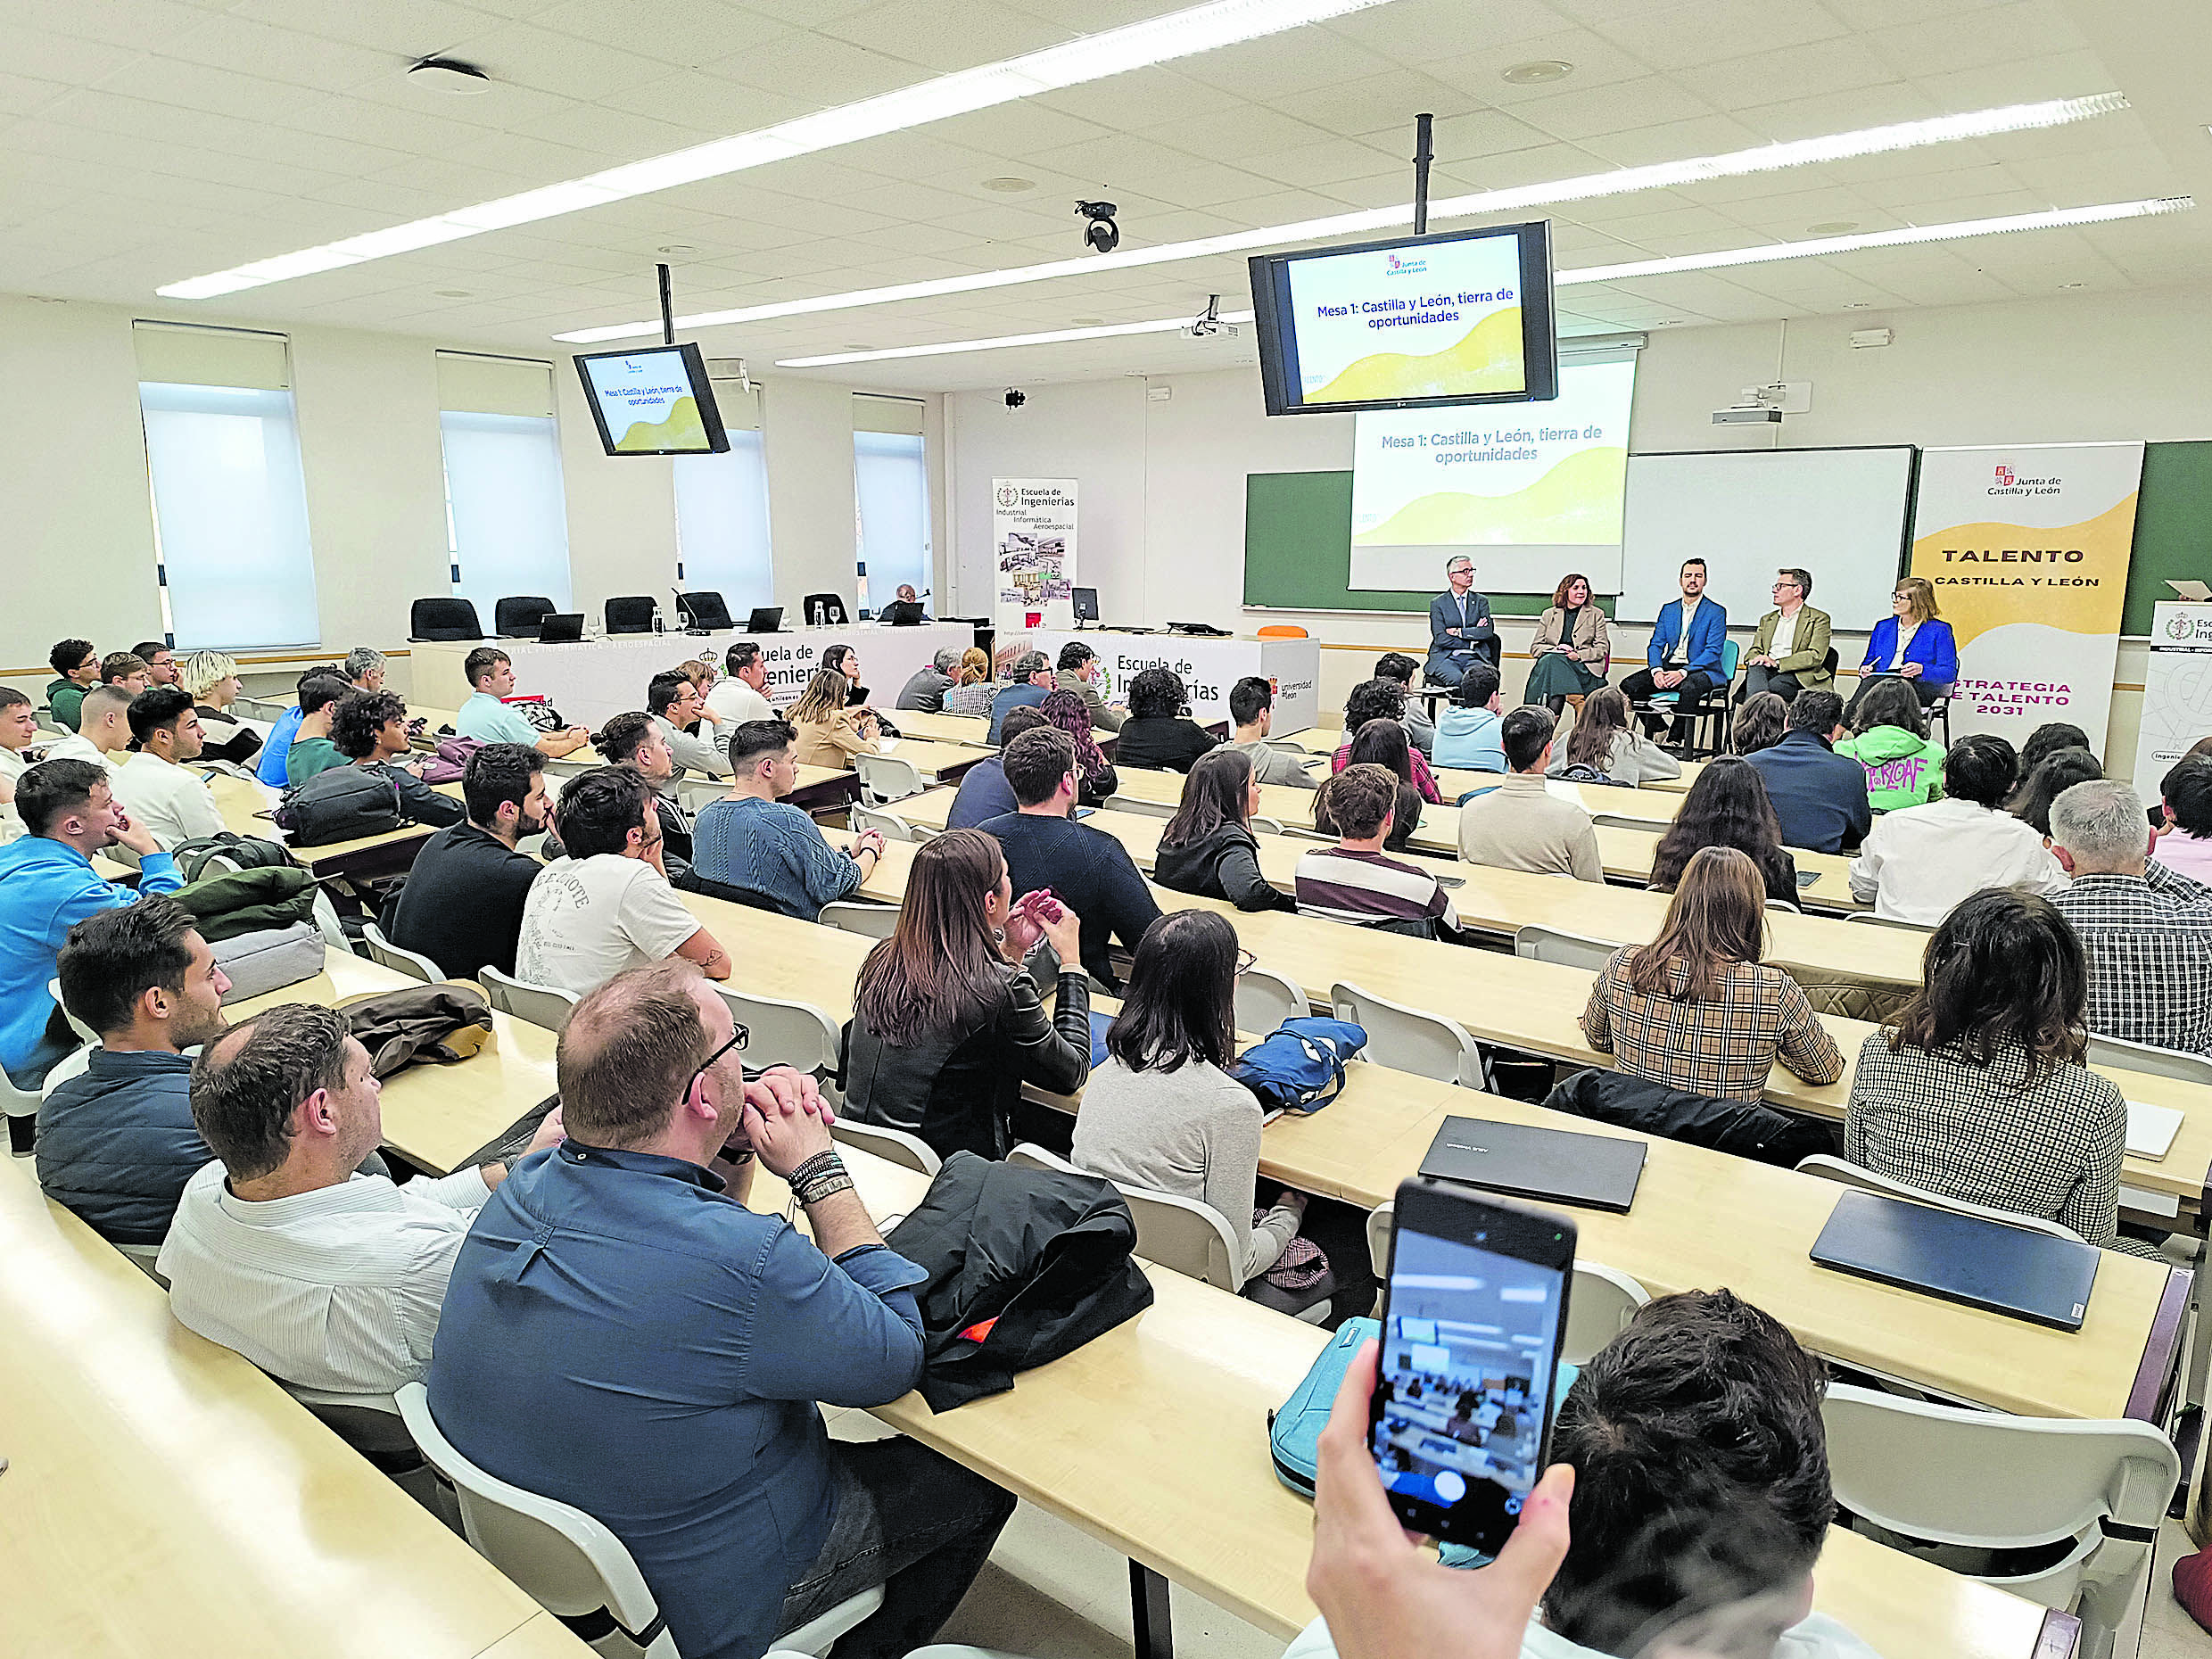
1747	414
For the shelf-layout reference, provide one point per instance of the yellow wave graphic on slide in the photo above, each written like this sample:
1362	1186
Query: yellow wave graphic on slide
682	430
1979	595
1486	358
1577	501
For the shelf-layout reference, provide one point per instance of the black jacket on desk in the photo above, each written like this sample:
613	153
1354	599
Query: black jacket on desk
956	1089
1223	865
462	905
1819	795
1088	869
1167	742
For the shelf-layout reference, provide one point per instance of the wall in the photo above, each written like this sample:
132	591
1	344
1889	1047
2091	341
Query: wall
1161	533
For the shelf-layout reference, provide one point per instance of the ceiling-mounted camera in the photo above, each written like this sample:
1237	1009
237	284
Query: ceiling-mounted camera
1102	233
1016	397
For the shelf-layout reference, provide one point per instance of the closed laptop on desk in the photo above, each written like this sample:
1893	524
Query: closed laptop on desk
1962	1259
1596	1171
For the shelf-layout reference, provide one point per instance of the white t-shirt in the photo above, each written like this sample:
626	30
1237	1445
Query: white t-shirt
173	803
77	745
734	702
1816	1637
587	920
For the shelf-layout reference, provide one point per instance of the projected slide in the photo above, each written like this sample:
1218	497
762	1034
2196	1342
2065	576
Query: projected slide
1541	482
1438	321
647	403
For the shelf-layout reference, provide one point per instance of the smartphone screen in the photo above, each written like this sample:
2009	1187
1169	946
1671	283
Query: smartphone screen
1473	1316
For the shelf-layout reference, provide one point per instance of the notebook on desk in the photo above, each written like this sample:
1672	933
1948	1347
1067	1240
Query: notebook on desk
2150	1130
1595	1171
1960	1259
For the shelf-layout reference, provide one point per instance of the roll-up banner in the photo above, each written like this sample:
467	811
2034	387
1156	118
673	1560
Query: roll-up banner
2177	691
2028	548
1033	540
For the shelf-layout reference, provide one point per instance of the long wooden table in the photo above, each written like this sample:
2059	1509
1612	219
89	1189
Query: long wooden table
934	759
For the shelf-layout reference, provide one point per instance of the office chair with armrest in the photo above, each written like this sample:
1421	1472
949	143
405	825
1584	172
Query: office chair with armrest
443	619
632	613
517	617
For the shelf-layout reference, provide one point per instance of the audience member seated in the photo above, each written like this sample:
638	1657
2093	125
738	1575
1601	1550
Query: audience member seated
2047	739
1087	870
323	1276
1098	779
1726	806
486	717
1029	679
19	735
1696	1009
676	708
76	670
2057	773
364	668
126	670
702	674
984	791
828	730
1916	865
1606	741
975	692
1818	796
269	767
1251	712
1080	673
773	853
1519	825
103	734
1789	648
311	751
2185	803
1759	724
152	785
1700	1503
622	1335
843	659
636	743
1904	765
1382	743
47	886
926	687
1467	735
948	1021
607	906
160	662
1160	732
2147	932
1913	644
741	693
1162	1111
1399	666
462	902
1383	700
1355	881
116	1142
212	679
1977	1089
369	728
1207	848
904	611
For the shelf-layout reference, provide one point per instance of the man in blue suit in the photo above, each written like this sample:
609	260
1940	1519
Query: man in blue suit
1460	630
1685	652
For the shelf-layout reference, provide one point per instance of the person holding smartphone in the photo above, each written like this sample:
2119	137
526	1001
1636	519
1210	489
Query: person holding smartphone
947	1023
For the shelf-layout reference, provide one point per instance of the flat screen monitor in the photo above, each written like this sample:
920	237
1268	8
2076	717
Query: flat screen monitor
654	402
1086	603
766	619
1460	318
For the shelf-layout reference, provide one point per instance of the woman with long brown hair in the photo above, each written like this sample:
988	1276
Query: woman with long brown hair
1208	847
1381	742
1606	741
1094	775
829	733
947	1024
1726	806
1571	647
1696	1009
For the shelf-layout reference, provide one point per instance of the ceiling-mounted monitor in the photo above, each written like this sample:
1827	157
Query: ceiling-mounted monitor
652	401
1460	318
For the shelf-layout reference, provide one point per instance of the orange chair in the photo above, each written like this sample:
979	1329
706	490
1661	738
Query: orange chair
1283	631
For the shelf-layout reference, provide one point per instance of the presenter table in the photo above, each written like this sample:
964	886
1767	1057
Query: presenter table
1208	667
592	679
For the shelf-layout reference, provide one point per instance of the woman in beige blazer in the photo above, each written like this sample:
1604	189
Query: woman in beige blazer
1572	649
1800	661
829	734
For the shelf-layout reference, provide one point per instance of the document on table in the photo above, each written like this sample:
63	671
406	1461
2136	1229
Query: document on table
2150	1130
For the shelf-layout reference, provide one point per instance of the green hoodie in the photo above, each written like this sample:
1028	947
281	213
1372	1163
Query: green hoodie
1901	769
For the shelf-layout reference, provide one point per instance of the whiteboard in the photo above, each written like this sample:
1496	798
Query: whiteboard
1841	514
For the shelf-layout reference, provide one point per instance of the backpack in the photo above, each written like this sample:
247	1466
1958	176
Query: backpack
1299	1066
1582	772
245	852
342	804
452	760
1294	1431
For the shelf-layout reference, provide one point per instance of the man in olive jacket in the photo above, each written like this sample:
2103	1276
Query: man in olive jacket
1789	653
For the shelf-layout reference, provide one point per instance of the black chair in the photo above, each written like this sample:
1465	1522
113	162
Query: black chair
443	619
825	610
517	617
705	610
631	614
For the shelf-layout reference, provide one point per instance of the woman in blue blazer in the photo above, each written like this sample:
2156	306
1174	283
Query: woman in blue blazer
1913	644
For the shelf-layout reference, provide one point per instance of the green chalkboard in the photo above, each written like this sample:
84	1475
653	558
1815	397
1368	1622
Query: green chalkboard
2172	528
1298	548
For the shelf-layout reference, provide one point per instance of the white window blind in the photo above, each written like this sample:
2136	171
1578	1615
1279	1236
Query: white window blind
722	522
507	518
891	501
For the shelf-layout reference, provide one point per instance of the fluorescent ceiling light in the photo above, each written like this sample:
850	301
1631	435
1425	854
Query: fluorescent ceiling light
1619	181
1766	253
1089	58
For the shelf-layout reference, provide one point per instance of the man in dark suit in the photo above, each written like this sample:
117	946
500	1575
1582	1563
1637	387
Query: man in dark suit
1820	797
1460	630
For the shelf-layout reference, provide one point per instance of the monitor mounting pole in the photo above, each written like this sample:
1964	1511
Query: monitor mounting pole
668	304
1422	156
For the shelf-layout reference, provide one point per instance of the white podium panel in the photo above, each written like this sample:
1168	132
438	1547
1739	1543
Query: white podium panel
1208	668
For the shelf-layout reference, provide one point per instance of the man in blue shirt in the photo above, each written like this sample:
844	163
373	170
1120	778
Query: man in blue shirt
622	1335
984	791
47	886
487	718
269	768
1031	682
773	854
1460	630
1684	655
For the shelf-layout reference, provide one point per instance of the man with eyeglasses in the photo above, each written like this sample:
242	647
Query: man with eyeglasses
624	1334
1789	651
1460	630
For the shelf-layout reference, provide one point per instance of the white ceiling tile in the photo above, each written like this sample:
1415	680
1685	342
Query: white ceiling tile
1012	129
1812	116
1322	164
1687	36
2003	34
204	87
699	103
1591	110
944	34
686	33
1236	135
285	54
1383	103
556	63
1282	66
830	71
2066	75
1125	102
1817	68
1597	60
413	29
1673	141
1419	32
1870	15
47	55
138	25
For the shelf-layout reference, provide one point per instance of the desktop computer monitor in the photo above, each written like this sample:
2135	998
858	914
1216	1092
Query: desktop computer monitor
1086	603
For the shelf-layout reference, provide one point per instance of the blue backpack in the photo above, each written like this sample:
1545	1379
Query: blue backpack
1294	1431
1299	1066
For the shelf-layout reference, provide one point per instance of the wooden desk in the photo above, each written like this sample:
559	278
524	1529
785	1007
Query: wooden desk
945	762
244	806
164	1497
1627	854
971	730
1651	805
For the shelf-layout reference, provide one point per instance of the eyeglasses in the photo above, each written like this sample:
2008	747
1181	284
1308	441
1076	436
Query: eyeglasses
1246	961
738	1037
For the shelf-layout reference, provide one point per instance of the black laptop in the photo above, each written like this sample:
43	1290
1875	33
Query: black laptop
766	619
1960	1258
560	628
1595	1171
